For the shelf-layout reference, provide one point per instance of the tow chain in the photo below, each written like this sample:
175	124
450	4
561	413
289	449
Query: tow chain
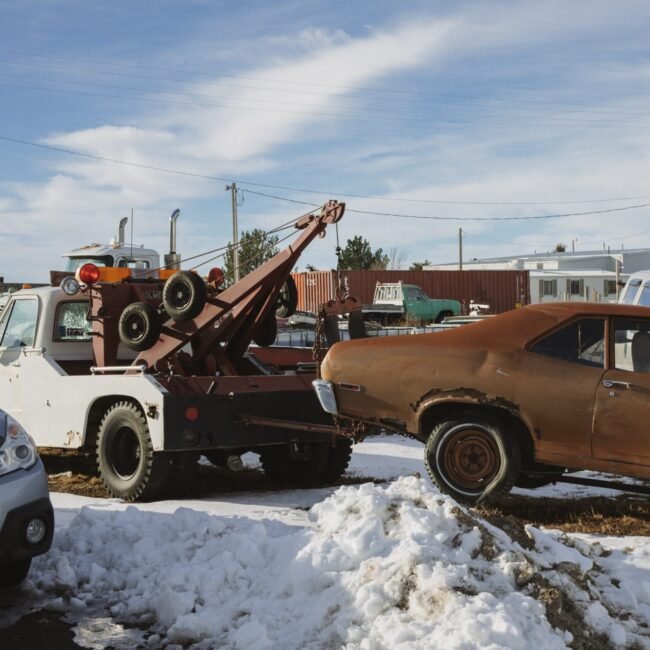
320	342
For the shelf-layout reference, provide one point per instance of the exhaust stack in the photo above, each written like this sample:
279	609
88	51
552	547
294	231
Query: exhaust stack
173	259
120	231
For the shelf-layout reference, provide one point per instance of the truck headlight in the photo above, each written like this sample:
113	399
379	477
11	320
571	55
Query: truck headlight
17	449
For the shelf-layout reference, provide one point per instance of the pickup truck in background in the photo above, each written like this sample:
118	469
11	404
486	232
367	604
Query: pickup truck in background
396	302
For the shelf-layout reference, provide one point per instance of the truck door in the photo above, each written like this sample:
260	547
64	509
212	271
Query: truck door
17	331
622	409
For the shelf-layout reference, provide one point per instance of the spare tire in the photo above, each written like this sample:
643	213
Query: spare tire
184	295
287	299
267	332
139	326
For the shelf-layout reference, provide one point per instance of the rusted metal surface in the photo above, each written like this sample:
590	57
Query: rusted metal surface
502	290
571	413
314	288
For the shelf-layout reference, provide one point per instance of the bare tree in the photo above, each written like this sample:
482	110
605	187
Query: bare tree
396	258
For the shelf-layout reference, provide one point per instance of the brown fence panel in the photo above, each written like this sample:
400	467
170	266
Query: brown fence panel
502	290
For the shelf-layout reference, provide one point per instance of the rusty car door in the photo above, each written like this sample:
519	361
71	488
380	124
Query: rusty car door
557	388
622	408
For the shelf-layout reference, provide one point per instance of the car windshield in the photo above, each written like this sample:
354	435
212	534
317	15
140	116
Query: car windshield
630	292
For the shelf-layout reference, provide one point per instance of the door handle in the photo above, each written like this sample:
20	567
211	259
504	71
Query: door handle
610	383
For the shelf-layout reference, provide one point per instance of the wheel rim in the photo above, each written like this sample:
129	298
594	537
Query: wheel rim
135	327
181	296
125	453
468	458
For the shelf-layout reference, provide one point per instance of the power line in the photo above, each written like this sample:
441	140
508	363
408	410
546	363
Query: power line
406	121
451	98
301	190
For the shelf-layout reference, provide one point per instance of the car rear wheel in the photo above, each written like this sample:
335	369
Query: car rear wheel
14	574
472	458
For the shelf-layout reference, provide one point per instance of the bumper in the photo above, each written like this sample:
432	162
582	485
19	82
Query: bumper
24	497
326	397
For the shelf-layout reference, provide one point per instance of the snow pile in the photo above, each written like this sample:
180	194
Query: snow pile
400	566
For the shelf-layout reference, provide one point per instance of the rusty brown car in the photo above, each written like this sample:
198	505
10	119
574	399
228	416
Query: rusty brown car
516	399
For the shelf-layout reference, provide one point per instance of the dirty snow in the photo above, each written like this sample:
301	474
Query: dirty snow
396	566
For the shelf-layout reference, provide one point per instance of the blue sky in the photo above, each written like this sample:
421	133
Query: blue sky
453	109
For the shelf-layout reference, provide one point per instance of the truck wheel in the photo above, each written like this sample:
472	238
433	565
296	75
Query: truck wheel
184	295
317	463
139	326
338	460
128	465
287	300
442	315
472	459
13	574
267	331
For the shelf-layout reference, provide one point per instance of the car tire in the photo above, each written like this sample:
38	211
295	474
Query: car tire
472	458
184	295
442	315
128	466
14	573
287	302
322	463
139	326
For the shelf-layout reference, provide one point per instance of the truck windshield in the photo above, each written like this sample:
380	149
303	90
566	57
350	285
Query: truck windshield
73	263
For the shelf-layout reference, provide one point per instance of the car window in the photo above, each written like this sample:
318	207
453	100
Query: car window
644	298
631	291
19	326
74	263
71	323
582	341
632	345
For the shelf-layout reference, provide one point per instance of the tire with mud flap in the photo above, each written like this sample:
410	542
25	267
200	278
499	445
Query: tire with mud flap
184	295
128	466
472	457
267	331
14	573
312	464
139	326
287	299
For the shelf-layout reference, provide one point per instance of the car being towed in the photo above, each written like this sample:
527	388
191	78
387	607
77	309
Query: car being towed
516	399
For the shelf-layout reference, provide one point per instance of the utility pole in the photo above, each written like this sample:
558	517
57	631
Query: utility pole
235	232
460	249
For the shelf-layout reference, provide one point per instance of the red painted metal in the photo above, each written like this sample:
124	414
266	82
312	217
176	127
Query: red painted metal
502	290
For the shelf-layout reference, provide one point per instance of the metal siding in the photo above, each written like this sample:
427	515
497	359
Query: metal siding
502	290
314	288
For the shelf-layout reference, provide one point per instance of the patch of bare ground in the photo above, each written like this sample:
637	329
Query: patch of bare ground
73	473
618	516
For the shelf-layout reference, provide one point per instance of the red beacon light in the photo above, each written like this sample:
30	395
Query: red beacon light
88	274
216	276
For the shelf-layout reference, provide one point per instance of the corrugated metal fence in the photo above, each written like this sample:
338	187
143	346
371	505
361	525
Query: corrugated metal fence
502	290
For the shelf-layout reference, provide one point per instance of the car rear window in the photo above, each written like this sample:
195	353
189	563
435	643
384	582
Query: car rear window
582	341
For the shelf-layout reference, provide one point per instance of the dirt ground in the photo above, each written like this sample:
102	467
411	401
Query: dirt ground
624	515
628	514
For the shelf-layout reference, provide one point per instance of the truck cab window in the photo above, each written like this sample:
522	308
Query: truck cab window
18	327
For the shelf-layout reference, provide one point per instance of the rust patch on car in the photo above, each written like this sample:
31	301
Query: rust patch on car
465	394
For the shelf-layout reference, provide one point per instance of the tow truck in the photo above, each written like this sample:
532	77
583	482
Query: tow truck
144	371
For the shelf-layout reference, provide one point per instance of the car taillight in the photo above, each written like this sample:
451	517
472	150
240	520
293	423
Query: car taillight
88	274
